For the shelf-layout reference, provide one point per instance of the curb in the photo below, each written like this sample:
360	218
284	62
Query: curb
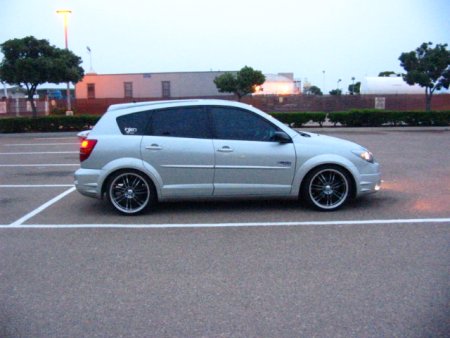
372	129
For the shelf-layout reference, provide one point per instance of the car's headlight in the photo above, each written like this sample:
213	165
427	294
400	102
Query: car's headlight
364	154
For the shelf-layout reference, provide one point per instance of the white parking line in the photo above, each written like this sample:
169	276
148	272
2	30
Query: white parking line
55	138
42	152
36	185
41	165
18	224
44	206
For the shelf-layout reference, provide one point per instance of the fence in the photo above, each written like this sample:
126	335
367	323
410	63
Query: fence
269	103
310	103
22	107
330	103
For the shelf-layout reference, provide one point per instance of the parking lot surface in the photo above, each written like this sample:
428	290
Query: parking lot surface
71	266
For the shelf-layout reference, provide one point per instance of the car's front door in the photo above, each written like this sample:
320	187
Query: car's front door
247	159
179	149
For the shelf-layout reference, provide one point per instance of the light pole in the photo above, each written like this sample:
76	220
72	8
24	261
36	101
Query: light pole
323	73
5	91
65	13
91	70
338	83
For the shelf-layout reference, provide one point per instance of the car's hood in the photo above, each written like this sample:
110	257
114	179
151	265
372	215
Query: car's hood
326	141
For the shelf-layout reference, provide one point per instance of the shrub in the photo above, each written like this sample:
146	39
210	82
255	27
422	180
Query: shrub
47	123
427	118
60	111
319	118
353	118
297	119
377	118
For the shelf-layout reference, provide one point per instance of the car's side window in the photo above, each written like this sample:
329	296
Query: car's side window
238	124
133	124
191	122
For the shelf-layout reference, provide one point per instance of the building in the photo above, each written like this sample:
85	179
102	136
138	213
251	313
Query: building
375	85
279	84
148	85
169	85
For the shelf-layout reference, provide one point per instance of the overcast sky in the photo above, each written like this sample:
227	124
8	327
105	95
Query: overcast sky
344	38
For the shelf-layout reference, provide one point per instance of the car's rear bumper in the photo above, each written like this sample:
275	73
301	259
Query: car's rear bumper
87	182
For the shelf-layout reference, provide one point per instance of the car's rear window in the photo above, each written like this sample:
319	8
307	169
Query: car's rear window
190	122
134	124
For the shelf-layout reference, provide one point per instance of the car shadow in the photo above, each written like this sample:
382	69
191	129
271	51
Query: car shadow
206	211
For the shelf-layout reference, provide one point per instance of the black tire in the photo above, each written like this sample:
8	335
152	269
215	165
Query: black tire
130	192
327	188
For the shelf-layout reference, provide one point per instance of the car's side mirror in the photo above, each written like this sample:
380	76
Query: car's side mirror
281	137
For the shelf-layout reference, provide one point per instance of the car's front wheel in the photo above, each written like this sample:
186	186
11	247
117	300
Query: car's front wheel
130	192
327	188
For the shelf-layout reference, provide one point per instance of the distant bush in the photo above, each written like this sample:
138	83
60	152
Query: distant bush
366	118
428	118
377	118
60	111
47	123
319	118
353	118
297	119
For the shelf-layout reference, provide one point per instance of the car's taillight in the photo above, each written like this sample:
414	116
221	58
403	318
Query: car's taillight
86	148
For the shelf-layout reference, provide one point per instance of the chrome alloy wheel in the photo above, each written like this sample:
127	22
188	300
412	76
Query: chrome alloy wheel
328	188
129	192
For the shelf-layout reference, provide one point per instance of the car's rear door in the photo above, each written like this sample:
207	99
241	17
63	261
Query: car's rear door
179	148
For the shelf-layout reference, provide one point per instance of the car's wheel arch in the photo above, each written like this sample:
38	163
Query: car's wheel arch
324	161
352	182
130	191
123	165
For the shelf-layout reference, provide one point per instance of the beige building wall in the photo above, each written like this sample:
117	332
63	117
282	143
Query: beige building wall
149	85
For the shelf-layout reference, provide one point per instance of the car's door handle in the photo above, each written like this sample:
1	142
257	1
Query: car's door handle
225	149
153	146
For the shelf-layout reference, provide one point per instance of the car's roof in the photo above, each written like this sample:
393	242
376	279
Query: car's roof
114	111
171	103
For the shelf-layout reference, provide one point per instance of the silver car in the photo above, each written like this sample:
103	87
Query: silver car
141	153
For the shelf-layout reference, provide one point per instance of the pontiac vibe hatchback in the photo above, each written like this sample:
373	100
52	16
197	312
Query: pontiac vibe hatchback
141	153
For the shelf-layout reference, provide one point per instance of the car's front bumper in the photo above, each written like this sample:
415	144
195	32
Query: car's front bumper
370	181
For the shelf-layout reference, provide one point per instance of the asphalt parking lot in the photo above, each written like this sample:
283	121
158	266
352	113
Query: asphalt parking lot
71	266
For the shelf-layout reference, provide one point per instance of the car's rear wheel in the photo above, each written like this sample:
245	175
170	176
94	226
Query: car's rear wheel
130	192
327	188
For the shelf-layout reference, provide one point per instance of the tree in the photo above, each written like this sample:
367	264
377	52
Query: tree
30	62
354	88
241	84
313	90
388	73
428	67
336	92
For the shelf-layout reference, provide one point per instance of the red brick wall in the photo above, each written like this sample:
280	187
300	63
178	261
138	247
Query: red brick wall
331	103
272	103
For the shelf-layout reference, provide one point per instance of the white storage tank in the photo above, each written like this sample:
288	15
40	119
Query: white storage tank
388	85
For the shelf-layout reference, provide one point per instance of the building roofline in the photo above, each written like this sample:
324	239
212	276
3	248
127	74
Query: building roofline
151	73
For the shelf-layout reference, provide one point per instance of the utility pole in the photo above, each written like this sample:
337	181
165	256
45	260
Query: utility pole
65	13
